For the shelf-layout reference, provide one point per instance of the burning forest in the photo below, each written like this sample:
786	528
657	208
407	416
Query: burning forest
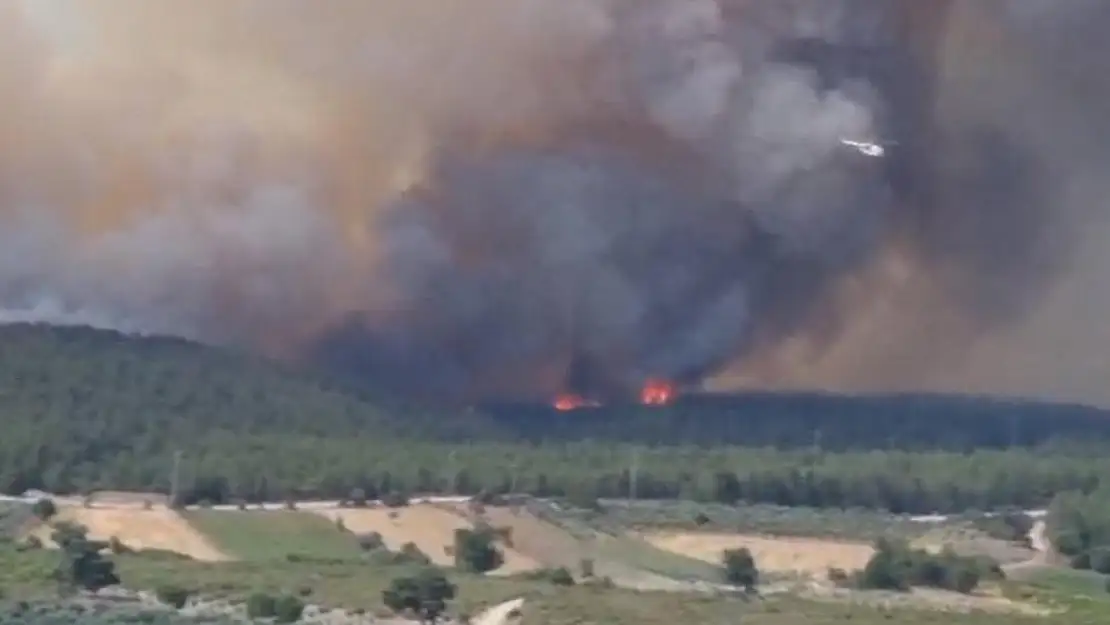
577	201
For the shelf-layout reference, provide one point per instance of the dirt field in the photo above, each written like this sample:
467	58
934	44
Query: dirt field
158	528
539	540
430	528
779	555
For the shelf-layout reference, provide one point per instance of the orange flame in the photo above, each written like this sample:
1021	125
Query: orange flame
570	401
657	392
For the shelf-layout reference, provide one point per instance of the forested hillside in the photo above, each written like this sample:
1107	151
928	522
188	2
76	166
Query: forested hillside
84	409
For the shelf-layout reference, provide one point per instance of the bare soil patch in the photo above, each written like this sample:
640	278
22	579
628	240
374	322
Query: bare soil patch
430	528
158	528
808	556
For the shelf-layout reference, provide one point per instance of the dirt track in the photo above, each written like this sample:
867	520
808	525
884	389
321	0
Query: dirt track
158	528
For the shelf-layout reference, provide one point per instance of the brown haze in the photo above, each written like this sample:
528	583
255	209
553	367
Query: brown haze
510	197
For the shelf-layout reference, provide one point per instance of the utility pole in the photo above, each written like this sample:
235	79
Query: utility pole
175	479
634	468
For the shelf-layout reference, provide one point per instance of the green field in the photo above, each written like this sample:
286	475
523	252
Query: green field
261	536
865	525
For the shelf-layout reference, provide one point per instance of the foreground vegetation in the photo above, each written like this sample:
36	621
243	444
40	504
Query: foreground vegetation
86	409
282	588
360	587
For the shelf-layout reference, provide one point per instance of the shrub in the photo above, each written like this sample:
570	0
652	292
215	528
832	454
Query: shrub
586	567
395	500
288	609
45	509
425	594
116	546
82	565
411	554
1081	561
561	577
839	577
701	519
740	569
173	596
371	541
357	498
895	566
261	605
1099	559
476	551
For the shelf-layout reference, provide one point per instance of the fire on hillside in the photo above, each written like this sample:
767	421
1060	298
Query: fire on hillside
655	392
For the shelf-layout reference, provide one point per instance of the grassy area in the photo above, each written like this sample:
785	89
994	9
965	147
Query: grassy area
14	517
273	535
1080	593
358	586
352	585
645	557
611	543
865	525
583	606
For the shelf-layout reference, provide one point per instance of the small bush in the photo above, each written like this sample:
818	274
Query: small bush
586	567
1081	562
840	577
290	504
561	577
739	568
261	605
701	519
1099	559
395	500
116	546
288	609
411	554
476	551
173	596
44	509
357	498
371	541
424	594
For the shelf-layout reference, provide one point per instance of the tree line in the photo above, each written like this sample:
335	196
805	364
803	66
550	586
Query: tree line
86	410
232	469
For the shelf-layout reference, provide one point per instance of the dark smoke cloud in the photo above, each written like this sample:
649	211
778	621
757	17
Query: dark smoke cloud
509	197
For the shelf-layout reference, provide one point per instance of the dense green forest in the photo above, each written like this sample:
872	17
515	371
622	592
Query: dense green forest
86	409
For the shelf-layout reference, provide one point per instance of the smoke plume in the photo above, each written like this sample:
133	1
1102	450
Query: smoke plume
517	197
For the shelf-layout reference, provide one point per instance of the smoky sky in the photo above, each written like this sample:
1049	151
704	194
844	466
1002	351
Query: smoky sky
510	198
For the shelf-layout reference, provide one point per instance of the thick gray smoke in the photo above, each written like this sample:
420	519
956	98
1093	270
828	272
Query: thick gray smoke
514	197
